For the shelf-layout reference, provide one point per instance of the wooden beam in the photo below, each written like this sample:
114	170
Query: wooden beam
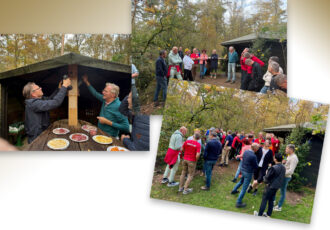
73	95
3	109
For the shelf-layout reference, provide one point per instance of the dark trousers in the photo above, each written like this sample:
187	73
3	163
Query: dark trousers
246	82
267	197
243	76
135	99
187	75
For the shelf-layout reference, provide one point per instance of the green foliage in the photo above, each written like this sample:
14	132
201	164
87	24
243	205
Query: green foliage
297	137
260	50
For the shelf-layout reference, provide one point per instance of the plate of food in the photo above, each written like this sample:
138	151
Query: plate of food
78	137
89	128
102	139
58	144
116	149
60	131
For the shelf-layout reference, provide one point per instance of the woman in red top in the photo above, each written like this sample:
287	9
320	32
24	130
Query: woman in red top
194	56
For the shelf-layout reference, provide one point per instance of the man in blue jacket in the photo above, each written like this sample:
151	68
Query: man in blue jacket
232	59
37	107
211	154
249	164
161	73
110	119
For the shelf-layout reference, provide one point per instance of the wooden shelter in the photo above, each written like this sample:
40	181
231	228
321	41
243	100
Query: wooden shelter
277	46
47	74
316	143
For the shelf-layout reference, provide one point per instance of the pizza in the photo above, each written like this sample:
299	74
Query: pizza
116	149
78	137
60	131
58	143
89	128
102	139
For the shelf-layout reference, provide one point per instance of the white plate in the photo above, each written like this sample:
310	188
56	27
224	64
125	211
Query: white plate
107	143
78	134
120	149
62	148
88	128
66	131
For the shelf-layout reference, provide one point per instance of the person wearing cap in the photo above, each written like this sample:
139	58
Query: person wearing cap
187	62
172	157
212	151
264	159
274	180
37	107
290	165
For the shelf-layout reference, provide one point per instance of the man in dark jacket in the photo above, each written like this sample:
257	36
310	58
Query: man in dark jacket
211	154
264	159
161	73
37	107
274	180
139	139
257	81
249	164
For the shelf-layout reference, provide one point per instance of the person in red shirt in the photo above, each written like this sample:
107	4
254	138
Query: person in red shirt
248	77
243	66
260	138
192	151
234	146
195	57
275	144
223	138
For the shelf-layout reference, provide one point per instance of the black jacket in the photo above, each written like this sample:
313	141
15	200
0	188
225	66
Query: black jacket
212	150
267	160
275	176
257	81
214	61
37	113
161	67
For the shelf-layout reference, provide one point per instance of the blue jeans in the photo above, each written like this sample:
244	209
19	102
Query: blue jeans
283	190
161	84
201	70
231	68
238	170
264	89
208	171
245	181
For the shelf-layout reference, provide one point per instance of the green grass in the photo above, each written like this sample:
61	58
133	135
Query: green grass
219	197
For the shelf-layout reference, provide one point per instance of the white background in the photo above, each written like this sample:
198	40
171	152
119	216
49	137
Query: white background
111	191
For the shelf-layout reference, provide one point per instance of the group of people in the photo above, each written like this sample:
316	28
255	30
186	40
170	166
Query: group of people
183	65
260	162
114	118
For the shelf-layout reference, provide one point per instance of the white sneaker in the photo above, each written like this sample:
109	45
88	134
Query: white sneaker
277	209
255	213
187	191
173	184
180	190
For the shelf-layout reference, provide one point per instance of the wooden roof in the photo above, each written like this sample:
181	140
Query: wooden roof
64	60
251	37
289	127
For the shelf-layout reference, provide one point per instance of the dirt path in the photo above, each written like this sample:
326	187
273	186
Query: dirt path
220	81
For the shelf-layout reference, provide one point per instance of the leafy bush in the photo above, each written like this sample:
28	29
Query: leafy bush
261	51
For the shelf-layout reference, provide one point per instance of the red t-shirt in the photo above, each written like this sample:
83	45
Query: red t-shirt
275	145
193	55
243	66
236	139
191	148
259	141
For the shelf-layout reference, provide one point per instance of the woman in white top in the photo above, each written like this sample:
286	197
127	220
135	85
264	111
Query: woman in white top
187	62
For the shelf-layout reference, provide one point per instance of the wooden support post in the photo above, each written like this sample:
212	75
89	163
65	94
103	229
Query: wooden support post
3	109
73	95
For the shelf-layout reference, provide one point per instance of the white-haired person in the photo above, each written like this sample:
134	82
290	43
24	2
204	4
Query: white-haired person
110	119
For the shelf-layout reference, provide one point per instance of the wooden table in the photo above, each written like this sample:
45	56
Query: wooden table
40	143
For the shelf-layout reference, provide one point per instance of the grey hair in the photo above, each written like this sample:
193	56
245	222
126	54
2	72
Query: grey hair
275	59
114	88
27	90
214	134
280	78
292	147
247	55
248	61
275	66
162	52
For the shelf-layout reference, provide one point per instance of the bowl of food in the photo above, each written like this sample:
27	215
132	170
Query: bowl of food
101	139
58	144
78	137
116	149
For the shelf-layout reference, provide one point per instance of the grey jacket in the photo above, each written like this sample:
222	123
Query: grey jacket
37	112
